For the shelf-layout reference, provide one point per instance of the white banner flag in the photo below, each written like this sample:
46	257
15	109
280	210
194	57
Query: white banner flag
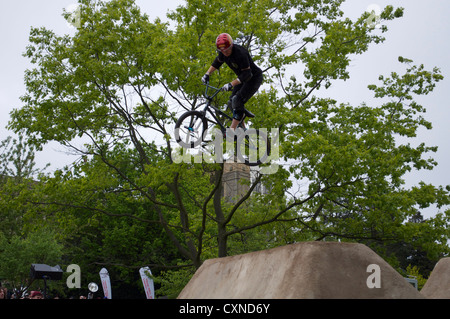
106	283
148	282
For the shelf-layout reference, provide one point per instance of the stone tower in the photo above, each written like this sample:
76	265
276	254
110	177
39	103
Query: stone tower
235	180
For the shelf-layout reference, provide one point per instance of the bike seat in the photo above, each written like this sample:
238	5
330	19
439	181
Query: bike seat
249	114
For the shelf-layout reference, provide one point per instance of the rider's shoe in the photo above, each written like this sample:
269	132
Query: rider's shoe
249	114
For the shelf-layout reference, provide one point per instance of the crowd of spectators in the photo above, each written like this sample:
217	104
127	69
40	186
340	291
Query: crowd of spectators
35	294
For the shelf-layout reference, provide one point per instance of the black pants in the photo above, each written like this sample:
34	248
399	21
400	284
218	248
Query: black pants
242	93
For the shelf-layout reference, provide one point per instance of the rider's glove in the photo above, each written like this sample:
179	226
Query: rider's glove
205	78
227	87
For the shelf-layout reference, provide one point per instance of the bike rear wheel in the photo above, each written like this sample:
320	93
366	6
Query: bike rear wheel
253	147
189	129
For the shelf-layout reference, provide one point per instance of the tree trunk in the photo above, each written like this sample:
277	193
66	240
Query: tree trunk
221	223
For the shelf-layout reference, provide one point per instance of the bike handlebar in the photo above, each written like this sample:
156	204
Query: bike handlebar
217	90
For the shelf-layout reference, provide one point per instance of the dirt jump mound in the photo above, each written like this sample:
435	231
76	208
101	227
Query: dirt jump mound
438	284
314	270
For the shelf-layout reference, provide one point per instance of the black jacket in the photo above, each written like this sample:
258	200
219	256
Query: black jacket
239	61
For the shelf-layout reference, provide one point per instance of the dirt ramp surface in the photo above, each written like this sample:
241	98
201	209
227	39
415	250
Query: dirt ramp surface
314	270
438	284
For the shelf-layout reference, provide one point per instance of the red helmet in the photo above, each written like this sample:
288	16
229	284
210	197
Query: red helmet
224	41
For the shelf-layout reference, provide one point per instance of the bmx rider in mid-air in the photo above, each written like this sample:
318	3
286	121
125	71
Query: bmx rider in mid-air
249	75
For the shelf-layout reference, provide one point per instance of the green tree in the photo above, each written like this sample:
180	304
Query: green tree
121	81
17	159
18	253
17	170
22	242
413	272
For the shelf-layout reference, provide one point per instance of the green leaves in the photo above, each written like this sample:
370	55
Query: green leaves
401	90
19	253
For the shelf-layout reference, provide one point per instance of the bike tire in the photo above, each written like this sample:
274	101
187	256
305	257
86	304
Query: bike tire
189	129
253	147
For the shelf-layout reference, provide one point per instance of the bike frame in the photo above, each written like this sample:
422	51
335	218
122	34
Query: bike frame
209	106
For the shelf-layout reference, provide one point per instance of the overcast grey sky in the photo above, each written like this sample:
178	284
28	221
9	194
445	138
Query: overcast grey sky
421	35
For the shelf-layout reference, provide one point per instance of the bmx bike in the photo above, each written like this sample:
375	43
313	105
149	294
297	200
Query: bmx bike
192	130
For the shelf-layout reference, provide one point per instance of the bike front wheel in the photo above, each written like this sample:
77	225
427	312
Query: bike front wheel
189	129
